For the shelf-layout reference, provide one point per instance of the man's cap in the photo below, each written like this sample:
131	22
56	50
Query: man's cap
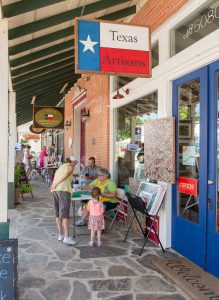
73	158
17	147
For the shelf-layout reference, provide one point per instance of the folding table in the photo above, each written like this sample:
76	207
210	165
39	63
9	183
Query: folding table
74	199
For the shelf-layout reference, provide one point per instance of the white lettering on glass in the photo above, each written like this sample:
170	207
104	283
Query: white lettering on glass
202	22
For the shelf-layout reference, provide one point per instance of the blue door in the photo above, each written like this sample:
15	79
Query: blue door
195	226
212	251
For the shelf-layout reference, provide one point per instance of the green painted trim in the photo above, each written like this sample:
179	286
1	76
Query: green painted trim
43	89
57	35
40	72
42	63
41	79
11	195
48	51
48	98
21	7
53	82
39	93
121	13
46	69
45	39
4	230
61	18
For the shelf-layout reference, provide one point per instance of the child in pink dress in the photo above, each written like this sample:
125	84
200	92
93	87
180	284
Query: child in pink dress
96	218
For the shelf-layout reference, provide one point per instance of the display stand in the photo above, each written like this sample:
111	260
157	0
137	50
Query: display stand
138	205
23	180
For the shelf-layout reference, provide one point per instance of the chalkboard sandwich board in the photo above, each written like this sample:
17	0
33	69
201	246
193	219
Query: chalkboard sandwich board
8	269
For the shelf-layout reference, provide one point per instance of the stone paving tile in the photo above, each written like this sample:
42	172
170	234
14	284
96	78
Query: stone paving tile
50	270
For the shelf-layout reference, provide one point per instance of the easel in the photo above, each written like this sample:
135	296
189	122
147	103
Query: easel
138	205
188	205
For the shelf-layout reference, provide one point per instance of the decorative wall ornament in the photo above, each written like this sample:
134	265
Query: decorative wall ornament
159	149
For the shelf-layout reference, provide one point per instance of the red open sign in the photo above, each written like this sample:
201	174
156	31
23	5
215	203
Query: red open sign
188	186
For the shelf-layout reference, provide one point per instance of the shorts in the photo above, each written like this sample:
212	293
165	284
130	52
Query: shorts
62	201
109	205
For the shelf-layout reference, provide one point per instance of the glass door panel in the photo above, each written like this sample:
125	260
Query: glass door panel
212	253
189	146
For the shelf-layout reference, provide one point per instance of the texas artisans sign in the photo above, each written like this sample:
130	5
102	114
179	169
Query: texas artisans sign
112	48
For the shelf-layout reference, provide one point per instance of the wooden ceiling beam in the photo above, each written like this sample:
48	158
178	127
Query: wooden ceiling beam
61	18
21	7
28	69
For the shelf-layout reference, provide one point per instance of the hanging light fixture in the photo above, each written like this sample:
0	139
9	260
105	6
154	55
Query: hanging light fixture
120	96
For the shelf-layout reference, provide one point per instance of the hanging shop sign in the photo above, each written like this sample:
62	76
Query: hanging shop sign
188	186
48	117
112	48
29	136
36	130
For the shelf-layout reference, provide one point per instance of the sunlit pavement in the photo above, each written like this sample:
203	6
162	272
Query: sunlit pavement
49	269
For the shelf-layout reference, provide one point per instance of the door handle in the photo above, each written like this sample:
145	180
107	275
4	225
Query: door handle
210	181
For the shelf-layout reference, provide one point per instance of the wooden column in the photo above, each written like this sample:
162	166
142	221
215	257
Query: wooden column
4	128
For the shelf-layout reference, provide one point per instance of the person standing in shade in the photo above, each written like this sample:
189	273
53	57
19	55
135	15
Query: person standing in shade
89	172
41	156
61	188
26	160
51	152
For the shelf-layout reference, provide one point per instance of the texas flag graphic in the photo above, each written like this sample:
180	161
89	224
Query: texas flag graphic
49	117
113	48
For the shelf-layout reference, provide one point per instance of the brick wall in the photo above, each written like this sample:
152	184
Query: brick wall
155	12
69	117
97	125
152	14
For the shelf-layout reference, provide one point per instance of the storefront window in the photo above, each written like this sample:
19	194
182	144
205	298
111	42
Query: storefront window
188	150
130	137
217	214
201	23
155	54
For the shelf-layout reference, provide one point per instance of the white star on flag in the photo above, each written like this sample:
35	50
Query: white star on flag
88	44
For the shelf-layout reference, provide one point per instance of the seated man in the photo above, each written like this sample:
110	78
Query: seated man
108	190
89	172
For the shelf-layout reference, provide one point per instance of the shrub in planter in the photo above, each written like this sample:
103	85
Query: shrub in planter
25	188
17	171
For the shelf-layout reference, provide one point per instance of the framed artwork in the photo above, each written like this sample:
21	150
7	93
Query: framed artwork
152	195
185	130
185	113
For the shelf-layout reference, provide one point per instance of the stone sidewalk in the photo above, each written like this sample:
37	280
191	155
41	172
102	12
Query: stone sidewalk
51	270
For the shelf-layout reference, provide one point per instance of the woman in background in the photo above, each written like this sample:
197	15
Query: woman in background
42	155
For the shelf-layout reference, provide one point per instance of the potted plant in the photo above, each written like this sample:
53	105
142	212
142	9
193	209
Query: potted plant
17	171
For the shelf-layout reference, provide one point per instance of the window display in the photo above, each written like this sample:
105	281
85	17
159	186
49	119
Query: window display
130	137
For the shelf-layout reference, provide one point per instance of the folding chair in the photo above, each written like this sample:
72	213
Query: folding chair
121	209
138	205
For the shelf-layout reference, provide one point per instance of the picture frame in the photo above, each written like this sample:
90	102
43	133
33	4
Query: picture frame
185	130
185	113
152	194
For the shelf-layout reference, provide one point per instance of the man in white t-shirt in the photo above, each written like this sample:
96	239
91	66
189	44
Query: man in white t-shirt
27	158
